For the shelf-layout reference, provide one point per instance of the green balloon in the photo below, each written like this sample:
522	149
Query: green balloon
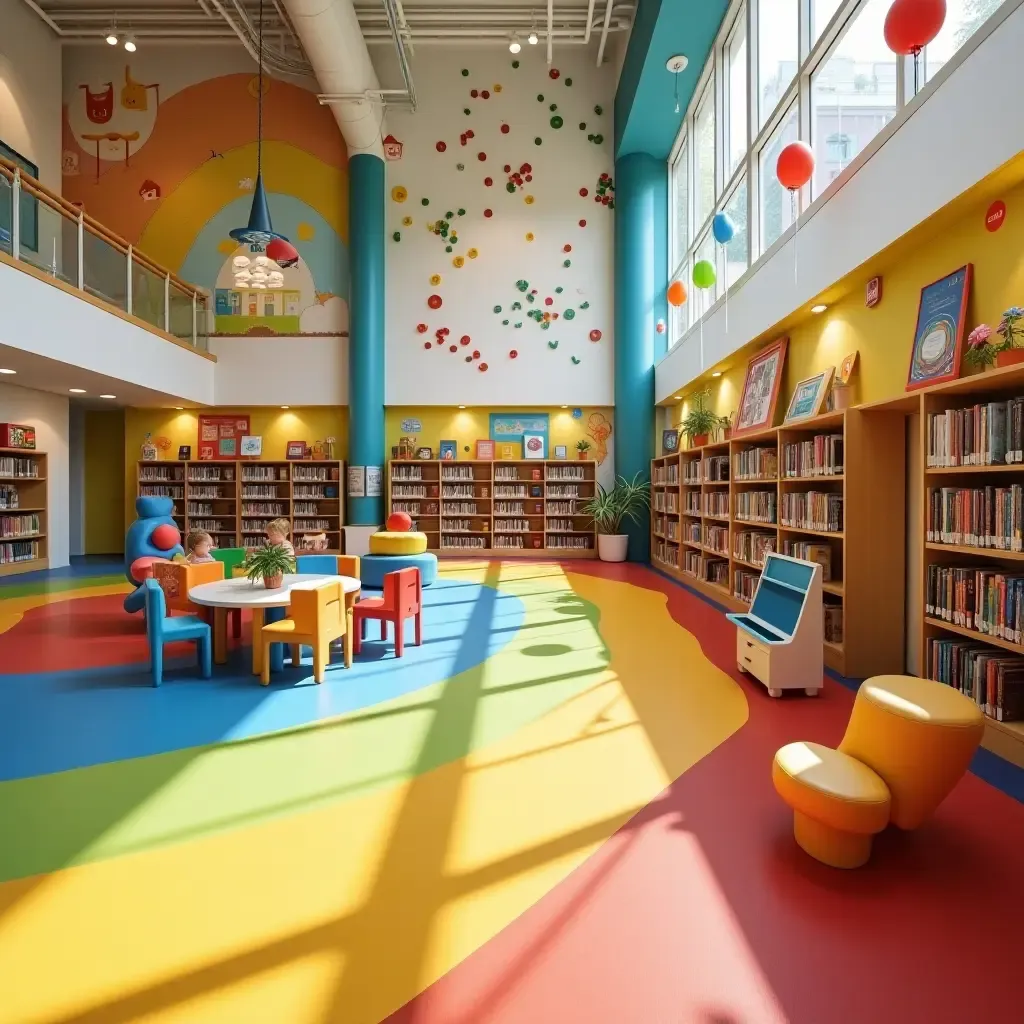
704	274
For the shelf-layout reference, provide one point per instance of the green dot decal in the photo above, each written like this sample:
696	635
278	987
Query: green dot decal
540	97
424	201
553	107
544	326
465	110
556	122
552	344
397	236
531	297
510	187
575	361
598	110
520	324
583	124
517	304
449	215
447	248
568	81
505	323
559	290
599	139
569	314
522	285
497	309
584	305
515	64
465	72
462	212
537	141
566	263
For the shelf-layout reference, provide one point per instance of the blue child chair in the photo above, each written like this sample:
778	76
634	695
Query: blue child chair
325	564
162	628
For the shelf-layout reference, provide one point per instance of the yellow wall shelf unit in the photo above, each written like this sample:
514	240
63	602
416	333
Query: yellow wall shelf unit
23	511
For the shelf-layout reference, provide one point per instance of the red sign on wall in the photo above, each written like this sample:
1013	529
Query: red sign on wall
220	437
873	293
995	216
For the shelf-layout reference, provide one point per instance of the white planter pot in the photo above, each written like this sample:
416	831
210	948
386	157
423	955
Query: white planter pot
611	547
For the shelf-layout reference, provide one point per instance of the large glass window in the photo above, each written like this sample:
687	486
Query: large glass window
737	252
776	202
736	142
701	298
963	19
778	47
704	157
822	12
681	202
853	94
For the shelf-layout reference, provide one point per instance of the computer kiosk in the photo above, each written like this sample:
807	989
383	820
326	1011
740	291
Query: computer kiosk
779	641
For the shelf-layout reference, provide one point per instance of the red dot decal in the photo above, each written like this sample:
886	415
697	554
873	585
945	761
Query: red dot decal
526	168
549	301
476	355
584	193
422	328
488	213
553	74
481	157
453	348
566	248
440	147
462	140
482	367
529	177
511	355
595	335
426	344
473	93
470	134
464	339
504	129
445	331
434	302
488	182
508	167
583	223
485	95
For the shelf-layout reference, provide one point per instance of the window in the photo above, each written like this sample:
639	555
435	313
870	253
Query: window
702	298
704	157
853	94
963	19
681	201
736	99
822	12
776	204
737	252
778	52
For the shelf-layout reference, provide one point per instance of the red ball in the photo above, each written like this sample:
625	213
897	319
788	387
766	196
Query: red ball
487	213
504	129
481	157
795	165
399	522
488	182
165	537
283	253
911	24
440	147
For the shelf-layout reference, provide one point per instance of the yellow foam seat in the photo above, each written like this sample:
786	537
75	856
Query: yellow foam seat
387	543
838	802
918	735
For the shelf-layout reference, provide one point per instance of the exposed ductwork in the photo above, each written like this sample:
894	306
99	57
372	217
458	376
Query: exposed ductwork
330	34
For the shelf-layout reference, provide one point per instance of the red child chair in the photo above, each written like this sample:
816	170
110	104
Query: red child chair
403	598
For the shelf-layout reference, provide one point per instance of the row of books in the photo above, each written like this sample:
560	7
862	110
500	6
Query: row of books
222	493
210	474
753	545
716	503
565	542
691	533
160	474
19	551
457	473
693	503
668	501
308	474
312	525
465	543
19	526
161	491
977	517
717	538
512	525
715	468
257	473
981	599
667	553
744	583
755	464
260	491
813	510
666	474
822	455
993	679
757	506
215	526
9	496
986	434
833	623
811	552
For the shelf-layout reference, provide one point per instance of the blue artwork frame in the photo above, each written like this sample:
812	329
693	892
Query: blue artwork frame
939	331
509	427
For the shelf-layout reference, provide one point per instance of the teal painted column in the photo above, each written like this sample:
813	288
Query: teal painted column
366	334
641	271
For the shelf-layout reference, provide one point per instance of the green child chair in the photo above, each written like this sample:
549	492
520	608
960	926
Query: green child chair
231	559
162	628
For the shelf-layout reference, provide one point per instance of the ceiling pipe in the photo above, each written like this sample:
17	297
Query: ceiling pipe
604	32
551	18
590	19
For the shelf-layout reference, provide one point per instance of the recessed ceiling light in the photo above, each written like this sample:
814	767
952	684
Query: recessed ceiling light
818	308
8	371
179	407
462	407
77	391
717	373
285	406
679	398
565	407
108	396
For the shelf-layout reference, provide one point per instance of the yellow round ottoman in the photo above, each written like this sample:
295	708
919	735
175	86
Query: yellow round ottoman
386	543
838	803
918	735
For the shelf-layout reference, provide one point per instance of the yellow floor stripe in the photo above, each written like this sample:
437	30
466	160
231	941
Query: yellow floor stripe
346	912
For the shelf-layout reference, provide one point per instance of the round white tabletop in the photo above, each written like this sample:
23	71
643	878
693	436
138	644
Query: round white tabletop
241	593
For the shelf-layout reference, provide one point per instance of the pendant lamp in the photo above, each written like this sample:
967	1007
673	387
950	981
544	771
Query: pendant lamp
259	230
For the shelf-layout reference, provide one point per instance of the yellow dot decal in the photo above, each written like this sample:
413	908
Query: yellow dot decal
529	236
458	261
407	222
399	193
528	200
496	87
472	254
435	279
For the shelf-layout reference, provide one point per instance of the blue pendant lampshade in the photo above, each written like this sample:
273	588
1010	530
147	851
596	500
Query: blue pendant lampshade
259	230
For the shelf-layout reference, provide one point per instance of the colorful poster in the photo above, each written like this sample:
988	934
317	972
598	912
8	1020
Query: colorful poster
221	436
510	427
356	482
374	481
448	450
939	335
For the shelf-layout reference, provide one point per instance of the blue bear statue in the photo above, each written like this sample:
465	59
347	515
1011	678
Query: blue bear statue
142	548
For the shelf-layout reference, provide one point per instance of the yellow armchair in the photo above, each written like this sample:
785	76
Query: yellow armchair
316	617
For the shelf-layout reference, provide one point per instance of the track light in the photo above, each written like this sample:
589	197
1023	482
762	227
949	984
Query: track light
532	37
112	39
514	45
129	44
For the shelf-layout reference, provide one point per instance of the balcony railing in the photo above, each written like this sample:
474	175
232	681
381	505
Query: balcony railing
46	232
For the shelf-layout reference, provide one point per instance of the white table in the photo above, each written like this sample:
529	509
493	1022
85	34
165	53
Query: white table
222	595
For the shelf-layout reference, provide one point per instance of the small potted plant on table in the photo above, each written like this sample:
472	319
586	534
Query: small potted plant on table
627	499
700	420
269	563
582	447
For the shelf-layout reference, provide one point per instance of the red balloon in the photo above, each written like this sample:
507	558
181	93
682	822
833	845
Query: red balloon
165	537
912	24
795	165
283	253
399	522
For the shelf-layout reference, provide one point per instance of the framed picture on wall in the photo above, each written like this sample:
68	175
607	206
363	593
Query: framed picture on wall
534	445
669	442
809	396
761	389
939	332
28	207
448	450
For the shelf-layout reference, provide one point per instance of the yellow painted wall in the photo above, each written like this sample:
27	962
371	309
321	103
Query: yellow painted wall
276	426
467	426
884	335
104	481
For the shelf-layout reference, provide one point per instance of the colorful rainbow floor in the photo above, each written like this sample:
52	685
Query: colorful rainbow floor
557	809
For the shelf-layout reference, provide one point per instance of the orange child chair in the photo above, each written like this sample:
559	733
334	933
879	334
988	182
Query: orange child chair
176	579
403	599
315	618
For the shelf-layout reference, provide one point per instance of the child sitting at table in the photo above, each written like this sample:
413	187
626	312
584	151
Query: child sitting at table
277	534
199	543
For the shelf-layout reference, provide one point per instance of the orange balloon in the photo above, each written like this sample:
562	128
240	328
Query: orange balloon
677	293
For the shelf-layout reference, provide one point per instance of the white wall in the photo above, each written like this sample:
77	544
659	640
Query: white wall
562	165
49	415
964	126
30	89
281	371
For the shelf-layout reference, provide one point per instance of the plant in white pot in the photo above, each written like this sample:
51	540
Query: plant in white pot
269	563
626	500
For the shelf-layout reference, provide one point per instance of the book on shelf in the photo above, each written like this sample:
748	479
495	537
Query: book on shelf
812	510
977	517
12	527
18	551
717	538
18	467
821	455
993	679
753	545
715	469
985	434
833	623
757	507
715	570
982	599
755	464
811	552
744	583
716	503
691	472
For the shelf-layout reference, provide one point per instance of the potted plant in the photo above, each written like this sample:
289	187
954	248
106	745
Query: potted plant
700	420
269	563
1009	351
980	352
582	447
627	500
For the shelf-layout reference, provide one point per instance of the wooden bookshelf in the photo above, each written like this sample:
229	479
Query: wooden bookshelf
744	512
234	500
524	508
24	505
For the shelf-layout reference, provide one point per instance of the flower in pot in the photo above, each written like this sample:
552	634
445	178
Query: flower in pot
700	420
626	500
582	447
1010	350
269	563
979	351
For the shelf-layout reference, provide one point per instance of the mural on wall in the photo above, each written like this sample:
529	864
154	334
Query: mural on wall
167	159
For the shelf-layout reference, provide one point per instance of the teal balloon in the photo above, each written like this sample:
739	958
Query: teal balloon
723	228
704	274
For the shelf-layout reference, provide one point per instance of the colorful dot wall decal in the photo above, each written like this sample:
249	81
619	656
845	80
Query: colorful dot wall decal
466	110
515	64
488	182
584	192
584	305
553	107
482	367
427	344
435	279
576	362
397	236
552	344
481	157
540	97
440	147
447	248
434	302
472	254
559	290
504	323
407	222
465	72
453	348
399	193
556	122
538	141
469	359
583	223
464	340
485	95
476	354
554	73
462	211
583	124
568	81
513	353
474	93
595	335
528	200
497	309
496	87
569	314
458	262
424	201
567	248
422	328
566	263
598	110
488	213
504	129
